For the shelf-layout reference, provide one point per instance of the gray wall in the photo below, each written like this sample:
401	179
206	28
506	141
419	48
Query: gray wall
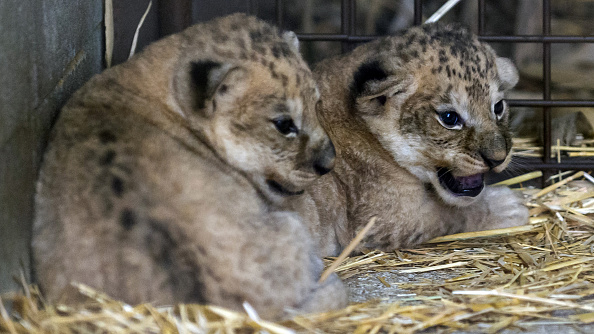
47	49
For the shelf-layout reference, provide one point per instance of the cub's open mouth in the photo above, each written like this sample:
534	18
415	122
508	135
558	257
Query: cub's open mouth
278	188
471	185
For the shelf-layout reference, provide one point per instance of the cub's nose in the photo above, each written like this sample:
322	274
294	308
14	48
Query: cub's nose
494	151
324	159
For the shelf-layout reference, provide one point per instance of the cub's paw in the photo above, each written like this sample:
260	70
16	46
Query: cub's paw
504	208
329	295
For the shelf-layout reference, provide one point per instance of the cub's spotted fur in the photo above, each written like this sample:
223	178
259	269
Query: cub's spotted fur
168	178
417	120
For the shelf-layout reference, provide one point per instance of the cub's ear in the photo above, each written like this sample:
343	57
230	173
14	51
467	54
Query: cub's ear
202	81
292	40
205	76
372	87
508	74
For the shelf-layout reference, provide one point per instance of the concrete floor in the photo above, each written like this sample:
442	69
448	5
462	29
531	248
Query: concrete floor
367	287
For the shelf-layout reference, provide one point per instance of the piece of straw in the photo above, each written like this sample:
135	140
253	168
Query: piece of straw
349	248
432	268
442	11
519	179
558	184
6	317
135	40
108	18
524	297
483	234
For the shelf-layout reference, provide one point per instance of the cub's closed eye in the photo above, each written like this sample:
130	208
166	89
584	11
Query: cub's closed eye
498	108
285	126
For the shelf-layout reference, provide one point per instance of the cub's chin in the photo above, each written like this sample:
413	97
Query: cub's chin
458	190
283	189
277	190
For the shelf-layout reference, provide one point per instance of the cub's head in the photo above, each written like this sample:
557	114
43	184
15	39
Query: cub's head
434	99
249	94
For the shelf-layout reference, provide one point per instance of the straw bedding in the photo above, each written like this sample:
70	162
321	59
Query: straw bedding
522	278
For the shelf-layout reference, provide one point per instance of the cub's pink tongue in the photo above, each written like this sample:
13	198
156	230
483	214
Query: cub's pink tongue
471	185
469	182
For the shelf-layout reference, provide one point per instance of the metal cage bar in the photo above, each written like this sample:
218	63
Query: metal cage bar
546	78
418	16
279	13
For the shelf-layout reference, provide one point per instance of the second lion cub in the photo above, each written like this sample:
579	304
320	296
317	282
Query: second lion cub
417	121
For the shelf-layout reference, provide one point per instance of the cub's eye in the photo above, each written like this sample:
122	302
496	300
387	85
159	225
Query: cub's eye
285	126
498	108
450	119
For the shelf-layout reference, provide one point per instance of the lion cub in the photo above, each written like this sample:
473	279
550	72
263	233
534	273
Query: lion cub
417	121
167	178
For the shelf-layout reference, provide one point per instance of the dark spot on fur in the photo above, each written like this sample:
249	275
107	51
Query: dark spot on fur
285	50
285	80
223	89
106	137
255	35
128	219
240	43
410	40
212	274
281	50
239	126
199	75
220	38
185	275
107	159
371	71
442	57
117	185
416	238
259	49
201	250
276	52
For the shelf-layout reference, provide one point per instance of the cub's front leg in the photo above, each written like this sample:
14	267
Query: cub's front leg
497	207
296	242
273	265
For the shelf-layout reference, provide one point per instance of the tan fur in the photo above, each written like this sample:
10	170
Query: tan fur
156	186
381	106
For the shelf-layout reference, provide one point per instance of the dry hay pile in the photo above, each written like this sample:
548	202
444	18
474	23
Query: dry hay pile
511	278
529	148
